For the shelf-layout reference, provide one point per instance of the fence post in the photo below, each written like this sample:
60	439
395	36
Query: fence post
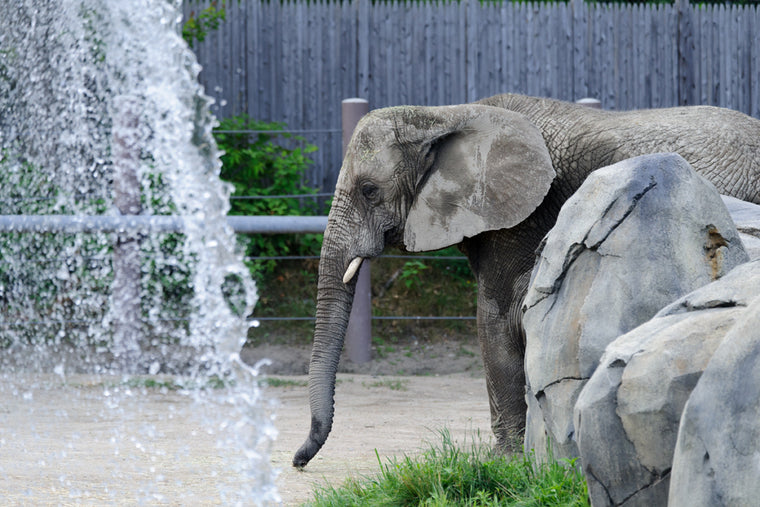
359	331
125	292
590	102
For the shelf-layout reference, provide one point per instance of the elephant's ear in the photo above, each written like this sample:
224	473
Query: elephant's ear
490	171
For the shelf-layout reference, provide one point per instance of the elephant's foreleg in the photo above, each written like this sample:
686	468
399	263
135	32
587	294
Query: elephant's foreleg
501	344
502	262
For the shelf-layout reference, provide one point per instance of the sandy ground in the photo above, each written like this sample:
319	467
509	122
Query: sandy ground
393	416
92	441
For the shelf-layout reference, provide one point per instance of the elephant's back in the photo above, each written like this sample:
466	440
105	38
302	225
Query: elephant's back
722	145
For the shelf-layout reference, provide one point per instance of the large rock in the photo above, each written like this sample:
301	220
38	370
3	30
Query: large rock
627	416
634	237
717	456
746	216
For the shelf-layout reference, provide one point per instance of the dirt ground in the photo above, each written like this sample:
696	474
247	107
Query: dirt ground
393	416
378	409
79	441
415	358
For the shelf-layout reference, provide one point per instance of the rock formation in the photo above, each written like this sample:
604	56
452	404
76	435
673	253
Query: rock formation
636	236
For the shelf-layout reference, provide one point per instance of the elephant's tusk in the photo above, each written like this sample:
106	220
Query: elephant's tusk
352	269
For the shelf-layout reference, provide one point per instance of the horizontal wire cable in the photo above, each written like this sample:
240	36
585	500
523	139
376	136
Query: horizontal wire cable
292	196
279	132
57	323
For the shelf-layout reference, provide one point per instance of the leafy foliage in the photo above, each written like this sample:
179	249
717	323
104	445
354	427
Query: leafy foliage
64	280
197	27
266	165
410	272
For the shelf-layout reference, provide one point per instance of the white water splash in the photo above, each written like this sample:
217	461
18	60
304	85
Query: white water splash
88	87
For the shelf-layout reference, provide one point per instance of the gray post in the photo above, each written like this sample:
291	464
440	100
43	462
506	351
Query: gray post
125	295
359	332
589	102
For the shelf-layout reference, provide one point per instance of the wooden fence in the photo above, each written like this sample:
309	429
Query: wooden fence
294	61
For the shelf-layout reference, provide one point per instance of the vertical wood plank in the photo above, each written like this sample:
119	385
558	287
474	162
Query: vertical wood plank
425	14
754	70
224	54
580	44
565	89
362	12
237	104
308	92
251	45
505	34
410	92
725	64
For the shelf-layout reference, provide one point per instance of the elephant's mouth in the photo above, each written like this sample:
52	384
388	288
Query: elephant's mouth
392	238
395	238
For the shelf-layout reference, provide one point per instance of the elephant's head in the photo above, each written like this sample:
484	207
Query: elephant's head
420	178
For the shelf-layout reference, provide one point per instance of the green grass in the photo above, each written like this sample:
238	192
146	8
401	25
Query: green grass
392	384
214	382
165	383
464	352
446	475
283	382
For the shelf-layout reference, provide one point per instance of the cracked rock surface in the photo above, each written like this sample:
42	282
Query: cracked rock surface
627	416
717	456
636	236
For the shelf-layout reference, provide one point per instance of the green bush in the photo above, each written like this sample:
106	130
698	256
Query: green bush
262	160
196	27
57	286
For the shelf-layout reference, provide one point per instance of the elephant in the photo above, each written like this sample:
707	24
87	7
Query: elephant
490	177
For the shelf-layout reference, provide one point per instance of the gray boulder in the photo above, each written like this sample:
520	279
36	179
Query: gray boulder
634	237
717	455
628	414
746	216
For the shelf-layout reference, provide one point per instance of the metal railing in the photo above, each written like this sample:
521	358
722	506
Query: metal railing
130	224
166	224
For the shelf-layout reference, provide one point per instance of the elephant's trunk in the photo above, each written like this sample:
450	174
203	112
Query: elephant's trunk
334	300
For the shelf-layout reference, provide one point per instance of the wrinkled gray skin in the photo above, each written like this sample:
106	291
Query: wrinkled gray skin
492	182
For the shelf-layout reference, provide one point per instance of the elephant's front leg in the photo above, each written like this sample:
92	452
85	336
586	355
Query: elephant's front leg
502	346
503	274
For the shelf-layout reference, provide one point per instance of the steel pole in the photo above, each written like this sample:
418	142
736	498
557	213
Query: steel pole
359	331
125	291
151	224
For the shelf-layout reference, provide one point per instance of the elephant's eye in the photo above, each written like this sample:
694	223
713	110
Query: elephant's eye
370	191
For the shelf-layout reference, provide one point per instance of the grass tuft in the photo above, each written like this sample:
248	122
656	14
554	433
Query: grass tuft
392	384
446	475
282	382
